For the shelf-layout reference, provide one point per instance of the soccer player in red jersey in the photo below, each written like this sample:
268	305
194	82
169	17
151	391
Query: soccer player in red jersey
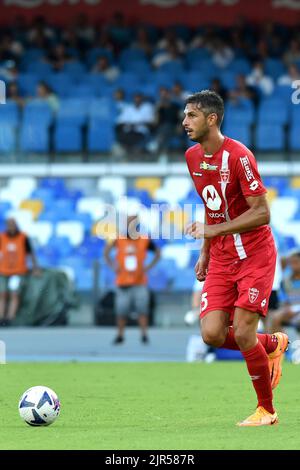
237	260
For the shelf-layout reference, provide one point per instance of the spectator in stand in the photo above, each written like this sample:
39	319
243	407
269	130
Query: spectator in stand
14	248
119	31
179	95
171	53
85	33
10	49
288	78
222	54
143	42
13	94
216	85
9	71
257	78
135	123
167	121
292	53
103	67
243	90
45	93
170	39
58	57
40	33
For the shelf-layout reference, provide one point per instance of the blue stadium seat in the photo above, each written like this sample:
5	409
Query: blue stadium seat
278	182
270	137
157	279
196	55
103	109
27	83
131	54
39	68
65	205
81	90
295	114
184	280
228	78
240	132
8	137
141	68
68	137
75	69
84	279
99	84
294	137
240	66
206	67
62	245
274	67
47	195
272	111
174	68
73	111
50	215
240	112
129	82
60	83
33	54
194	81
101	136
37	112
53	184
163	79
34	137
9	114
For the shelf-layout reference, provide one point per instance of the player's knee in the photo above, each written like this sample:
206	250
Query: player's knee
243	338
213	337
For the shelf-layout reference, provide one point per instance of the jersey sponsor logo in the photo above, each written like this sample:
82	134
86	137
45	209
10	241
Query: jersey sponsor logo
196	174
224	175
254	185
207	166
253	294
212	198
247	168
216	215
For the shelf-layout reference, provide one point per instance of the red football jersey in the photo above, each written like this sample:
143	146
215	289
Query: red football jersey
224	180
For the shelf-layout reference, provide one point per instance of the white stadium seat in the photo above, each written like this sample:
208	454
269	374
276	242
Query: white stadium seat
95	206
116	185
41	232
23	217
24	185
12	195
283	209
179	253
74	231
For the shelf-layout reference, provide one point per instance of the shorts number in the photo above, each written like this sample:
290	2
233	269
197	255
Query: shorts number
204	301
254	185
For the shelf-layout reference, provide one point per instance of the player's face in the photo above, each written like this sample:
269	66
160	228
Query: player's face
195	123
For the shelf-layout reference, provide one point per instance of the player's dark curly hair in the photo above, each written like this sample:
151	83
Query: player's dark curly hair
209	102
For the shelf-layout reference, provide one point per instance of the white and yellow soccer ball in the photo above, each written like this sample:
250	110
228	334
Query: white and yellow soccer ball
39	406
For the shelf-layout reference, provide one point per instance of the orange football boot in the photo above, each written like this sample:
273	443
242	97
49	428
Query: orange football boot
261	417
276	357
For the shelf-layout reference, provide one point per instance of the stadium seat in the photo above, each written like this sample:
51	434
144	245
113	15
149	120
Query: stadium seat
101	136
9	114
295	182
131	54
81	90
240	112
47	195
180	254
240	66
149	184
174	68
39	68
85	219
68	137
34	137
241	132
75	69
60	83
185	280
157	279
12	196
274	67
41	231
24	184
8	138
116	185
287	208
270	137
27	83
102	109
37	112
34	205
94	53
73	230
94	206
294	137
73	111
194	81
84	279
272	111
61	244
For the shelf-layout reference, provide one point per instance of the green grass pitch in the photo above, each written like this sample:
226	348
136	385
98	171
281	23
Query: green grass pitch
147	406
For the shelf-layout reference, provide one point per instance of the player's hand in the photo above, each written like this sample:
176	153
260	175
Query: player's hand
199	230
201	267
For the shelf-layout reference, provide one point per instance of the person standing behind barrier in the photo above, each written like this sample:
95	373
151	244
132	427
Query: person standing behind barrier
14	249
132	293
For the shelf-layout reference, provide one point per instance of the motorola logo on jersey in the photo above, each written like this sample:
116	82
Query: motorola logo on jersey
212	198
216	215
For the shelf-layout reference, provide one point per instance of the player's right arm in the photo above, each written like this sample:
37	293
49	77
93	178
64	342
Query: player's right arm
201	266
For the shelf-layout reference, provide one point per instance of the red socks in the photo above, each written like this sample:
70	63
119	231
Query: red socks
269	342
258	367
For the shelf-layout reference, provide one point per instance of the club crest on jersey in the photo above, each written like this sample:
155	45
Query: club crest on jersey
224	175
207	166
253	294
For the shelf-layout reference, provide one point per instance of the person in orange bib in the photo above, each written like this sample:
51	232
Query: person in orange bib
132	293
15	247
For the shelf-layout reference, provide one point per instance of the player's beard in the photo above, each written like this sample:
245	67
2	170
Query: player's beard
202	136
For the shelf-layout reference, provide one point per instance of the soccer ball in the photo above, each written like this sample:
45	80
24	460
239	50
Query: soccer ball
39	406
